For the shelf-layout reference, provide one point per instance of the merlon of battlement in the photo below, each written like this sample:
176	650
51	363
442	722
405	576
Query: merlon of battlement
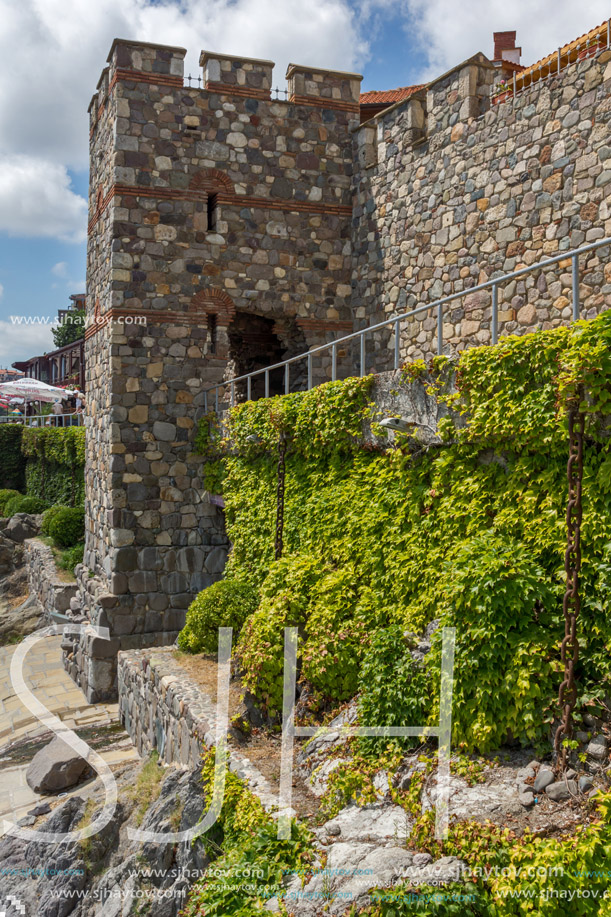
164	61
308	83
237	74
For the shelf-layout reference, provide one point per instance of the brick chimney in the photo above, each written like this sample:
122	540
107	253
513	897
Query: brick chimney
505	47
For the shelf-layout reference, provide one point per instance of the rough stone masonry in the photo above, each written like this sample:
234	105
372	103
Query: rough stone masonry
219	236
229	230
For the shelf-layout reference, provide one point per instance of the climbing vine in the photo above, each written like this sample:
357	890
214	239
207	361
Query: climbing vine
249	862
470	534
55	463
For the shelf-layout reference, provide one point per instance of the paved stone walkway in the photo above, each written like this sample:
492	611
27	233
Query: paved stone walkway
45	676
47	679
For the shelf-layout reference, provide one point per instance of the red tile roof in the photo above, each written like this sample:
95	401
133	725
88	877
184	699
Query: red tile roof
388	96
568	54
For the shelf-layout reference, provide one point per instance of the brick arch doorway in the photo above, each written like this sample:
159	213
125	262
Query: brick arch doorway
254	344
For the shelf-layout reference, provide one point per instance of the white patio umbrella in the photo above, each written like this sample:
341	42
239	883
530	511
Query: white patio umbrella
34	390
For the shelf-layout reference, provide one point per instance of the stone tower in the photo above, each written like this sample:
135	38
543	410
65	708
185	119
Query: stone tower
219	241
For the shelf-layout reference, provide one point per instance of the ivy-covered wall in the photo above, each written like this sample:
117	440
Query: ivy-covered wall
11	460
46	462
469	532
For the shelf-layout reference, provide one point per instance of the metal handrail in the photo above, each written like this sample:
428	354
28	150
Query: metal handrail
493	284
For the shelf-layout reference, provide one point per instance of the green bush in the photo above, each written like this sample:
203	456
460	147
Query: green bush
67	526
507	619
49	515
224	604
341	618
71	557
24	504
5	495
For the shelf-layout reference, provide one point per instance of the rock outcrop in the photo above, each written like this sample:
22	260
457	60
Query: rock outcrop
109	873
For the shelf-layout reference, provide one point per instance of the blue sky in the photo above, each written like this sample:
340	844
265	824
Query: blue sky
53	52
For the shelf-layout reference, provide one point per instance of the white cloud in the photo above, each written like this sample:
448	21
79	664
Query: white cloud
53	52
1	291
36	200
60	269
19	342
450	32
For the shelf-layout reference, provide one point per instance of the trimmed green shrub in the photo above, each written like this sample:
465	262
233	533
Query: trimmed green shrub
49	515
67	526
24	504
224	604
7	494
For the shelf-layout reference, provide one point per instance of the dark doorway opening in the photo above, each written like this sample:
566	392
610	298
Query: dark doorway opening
253	344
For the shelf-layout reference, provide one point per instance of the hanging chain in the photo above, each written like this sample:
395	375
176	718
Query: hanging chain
569	650
280	496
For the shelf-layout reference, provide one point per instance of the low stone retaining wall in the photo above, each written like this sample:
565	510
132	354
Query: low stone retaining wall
163	709
53	594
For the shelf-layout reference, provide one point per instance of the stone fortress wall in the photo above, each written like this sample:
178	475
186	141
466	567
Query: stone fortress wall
219	237
450	192
229	230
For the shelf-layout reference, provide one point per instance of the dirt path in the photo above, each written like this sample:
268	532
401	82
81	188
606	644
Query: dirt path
262	748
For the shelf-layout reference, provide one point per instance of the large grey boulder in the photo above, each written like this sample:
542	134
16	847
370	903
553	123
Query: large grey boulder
373	824
544	778
22	526
54	768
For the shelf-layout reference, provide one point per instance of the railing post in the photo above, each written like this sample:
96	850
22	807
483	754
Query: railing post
205	402
216	399
575	260
495	314
333	363
362	341
609	33
249	388
309	371
267	383
439	329
232	394
397	344
287	384
559	59
515	87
